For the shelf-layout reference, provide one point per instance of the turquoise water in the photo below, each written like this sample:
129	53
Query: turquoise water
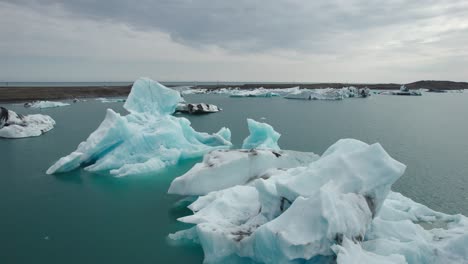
89	218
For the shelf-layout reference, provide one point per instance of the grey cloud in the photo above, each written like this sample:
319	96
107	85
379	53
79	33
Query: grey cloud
252	25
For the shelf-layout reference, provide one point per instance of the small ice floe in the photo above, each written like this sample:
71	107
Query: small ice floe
13	125
403	91
113	100
260	92
196	109
45	104
77	100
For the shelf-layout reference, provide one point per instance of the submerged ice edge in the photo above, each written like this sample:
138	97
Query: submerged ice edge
345	194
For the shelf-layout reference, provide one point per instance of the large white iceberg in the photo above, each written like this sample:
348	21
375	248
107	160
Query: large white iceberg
13	125
221	169
47	104
336	209
144	141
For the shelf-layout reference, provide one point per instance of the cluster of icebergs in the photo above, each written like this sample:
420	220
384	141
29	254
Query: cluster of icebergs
13	125
266	205
289	93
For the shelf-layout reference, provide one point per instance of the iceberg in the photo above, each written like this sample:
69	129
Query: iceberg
226	168
197	108
113	100
262	136
146	140
316	94
46	104
340	193
260	92
13	125
338	208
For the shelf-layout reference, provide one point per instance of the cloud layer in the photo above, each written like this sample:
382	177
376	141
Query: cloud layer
284	40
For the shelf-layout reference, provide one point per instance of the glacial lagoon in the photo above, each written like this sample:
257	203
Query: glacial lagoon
81	217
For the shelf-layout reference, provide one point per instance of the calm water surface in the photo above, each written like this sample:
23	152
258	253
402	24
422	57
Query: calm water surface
81	217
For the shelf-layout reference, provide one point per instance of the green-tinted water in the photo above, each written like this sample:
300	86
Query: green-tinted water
87	218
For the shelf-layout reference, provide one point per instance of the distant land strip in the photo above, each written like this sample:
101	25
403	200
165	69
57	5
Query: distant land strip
24	94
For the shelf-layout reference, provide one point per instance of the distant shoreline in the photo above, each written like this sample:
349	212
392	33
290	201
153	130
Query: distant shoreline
27	94
11	94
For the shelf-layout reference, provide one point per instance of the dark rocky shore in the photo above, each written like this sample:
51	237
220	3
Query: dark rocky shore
24	94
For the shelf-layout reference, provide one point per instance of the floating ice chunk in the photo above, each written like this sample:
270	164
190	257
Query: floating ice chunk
226	168
13	125
298	214
113	100
316	94
144	141
47	104
262	136
197	108
260	92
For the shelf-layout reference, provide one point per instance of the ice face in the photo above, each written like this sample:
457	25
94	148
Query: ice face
48	104
262	136
340	193
13	125
144	141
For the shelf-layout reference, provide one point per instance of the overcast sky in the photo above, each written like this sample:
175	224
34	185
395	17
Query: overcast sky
234	40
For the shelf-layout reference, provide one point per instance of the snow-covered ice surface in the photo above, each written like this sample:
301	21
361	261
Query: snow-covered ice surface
19	126
221	169
226	168
47	104
335	209
144	141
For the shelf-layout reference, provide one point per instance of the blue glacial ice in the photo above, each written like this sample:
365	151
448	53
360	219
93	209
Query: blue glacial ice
13	125
262	136
146	140
226	168
338	208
